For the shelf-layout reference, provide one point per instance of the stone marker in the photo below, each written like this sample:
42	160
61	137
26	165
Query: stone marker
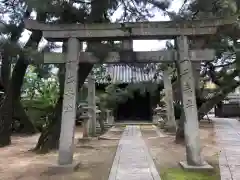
191	125
171	122
109	117
66	143
92	106
86	122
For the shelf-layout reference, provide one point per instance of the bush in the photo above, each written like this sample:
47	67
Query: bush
39	112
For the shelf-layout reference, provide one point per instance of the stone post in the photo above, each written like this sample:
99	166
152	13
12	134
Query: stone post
66	142
197	43
86	119
127	44
196	66
171	122
109	117
85	128
92	106
191	125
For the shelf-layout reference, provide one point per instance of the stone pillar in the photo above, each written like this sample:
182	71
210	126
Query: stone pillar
109	117
66	142
86	118
197	43
171	122
127	44
92	106
196	66
191	125
85	128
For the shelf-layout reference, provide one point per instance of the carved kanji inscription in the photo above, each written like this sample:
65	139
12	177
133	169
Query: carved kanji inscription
68	108
70	87
188	103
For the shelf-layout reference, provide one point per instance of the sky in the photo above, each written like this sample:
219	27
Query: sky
138	45
153	45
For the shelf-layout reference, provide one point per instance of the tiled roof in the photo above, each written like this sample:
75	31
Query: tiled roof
118	74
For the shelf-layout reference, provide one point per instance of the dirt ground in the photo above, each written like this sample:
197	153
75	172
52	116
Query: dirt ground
95	157
167	154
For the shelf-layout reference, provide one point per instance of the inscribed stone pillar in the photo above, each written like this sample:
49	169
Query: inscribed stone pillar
196	66
66	143
191	124
197	43
92	106
171	123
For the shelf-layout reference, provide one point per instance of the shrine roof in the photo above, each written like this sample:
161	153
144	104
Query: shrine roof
121	74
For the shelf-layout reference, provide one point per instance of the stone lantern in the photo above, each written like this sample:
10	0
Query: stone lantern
159	115
84	116
109	117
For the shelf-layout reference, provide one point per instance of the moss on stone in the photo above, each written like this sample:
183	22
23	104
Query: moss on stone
180	174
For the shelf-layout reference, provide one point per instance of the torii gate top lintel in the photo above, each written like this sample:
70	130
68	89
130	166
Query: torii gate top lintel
136	30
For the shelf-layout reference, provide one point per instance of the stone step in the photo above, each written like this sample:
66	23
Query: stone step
133	123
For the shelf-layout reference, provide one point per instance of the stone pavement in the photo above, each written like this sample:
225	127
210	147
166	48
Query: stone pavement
228	139
132	160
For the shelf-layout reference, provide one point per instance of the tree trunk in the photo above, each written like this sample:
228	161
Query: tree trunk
208	105
12	95
14	89
205	108
49	138
179	137
19	113
50	135
5	69
26	125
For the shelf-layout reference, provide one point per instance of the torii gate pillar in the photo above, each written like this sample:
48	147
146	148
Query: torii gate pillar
66	142
171	122
92	105
191	125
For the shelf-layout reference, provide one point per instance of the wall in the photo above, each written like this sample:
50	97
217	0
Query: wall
228	110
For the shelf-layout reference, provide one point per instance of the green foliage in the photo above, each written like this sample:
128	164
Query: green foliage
179	174
112	96
39	96
39	111
38	88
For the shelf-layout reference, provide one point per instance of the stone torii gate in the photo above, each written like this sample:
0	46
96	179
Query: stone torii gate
196	57
180	31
